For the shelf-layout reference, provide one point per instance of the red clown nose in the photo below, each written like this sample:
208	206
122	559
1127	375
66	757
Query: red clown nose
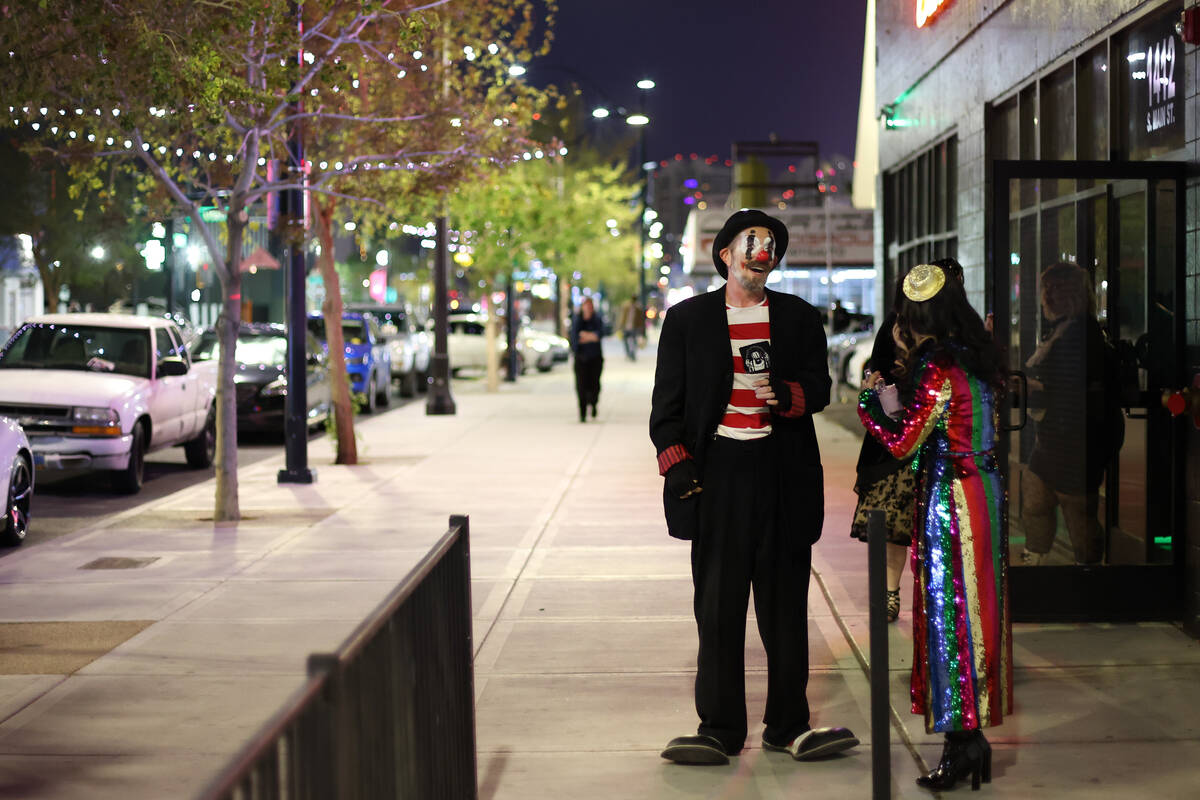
763	256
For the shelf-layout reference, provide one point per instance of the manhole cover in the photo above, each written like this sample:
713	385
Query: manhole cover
116	562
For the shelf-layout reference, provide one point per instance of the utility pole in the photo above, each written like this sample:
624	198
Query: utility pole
439	400
641	261
295	419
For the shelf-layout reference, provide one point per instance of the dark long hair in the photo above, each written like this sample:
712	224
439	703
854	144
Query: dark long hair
951	322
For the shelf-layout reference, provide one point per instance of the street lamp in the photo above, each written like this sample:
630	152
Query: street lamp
97	252
641	120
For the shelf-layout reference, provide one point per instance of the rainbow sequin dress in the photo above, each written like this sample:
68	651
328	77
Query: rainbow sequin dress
962	633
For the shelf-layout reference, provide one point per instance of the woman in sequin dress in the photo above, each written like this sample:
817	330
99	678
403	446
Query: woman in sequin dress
962	639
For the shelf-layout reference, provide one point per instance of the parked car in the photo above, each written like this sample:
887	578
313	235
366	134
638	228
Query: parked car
368	358
16	474
261	376
411	345
848	355
466	343
545	348
99	391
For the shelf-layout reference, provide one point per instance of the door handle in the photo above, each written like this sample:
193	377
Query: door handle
1024	381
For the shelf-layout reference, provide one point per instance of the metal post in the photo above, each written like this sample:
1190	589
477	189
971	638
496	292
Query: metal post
510	329
439	400
641	260
881	777
169	268
295	419
829	263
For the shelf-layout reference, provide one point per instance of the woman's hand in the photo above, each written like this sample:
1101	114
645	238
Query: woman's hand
873	380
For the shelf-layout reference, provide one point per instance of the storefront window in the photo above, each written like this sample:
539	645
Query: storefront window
921	209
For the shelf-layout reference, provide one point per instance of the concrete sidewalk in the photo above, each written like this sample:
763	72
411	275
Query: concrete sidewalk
583	631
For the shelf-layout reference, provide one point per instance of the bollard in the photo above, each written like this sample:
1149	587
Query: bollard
881	778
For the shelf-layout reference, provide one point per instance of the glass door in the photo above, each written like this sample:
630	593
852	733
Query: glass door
1086	288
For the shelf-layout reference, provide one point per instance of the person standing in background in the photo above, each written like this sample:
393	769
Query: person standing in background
632	322
587	329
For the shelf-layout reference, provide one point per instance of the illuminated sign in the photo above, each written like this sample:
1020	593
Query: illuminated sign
1154	93
928	9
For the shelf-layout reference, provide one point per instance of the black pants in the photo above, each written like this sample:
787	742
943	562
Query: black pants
587	381
742	544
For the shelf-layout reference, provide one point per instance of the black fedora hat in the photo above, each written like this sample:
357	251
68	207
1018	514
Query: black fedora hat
748	218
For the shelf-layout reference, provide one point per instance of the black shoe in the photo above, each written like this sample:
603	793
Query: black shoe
893	605
816	743
593	410
695	750
965	753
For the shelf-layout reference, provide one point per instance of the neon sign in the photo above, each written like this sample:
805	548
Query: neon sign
928	9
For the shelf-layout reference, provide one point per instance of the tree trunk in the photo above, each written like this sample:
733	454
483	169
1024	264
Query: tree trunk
343	409
51	279
225	504
492	343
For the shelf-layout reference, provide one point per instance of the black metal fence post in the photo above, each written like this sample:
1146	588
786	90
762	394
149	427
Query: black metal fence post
881	748
391	713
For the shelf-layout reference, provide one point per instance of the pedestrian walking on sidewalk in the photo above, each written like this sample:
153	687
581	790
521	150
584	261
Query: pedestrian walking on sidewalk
962	634
884	483
632	324
740	373
587	329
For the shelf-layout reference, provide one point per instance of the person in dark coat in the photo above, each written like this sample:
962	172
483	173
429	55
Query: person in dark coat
587	329
740	373
885	483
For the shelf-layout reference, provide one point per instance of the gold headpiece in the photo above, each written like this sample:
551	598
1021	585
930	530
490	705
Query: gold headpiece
923	282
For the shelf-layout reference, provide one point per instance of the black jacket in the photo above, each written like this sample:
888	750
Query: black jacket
692	385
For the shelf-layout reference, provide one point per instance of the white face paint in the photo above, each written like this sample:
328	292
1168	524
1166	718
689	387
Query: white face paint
750	258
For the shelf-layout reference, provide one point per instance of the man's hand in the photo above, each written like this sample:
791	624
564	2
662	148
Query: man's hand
683	479
588	336
764	392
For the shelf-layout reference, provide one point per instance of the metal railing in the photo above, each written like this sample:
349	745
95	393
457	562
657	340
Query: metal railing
391	713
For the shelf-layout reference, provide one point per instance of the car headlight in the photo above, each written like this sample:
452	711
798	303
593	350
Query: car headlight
95	421
275	388
539	345
92	415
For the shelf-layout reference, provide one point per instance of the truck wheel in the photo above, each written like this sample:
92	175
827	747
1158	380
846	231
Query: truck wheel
129	480
201	450
372	395
16	507
385	392
408	384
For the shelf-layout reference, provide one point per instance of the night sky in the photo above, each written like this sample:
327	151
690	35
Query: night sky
725	70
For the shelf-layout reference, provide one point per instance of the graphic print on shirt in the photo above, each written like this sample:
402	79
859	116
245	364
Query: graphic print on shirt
756	357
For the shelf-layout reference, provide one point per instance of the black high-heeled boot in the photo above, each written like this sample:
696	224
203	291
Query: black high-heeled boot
965	753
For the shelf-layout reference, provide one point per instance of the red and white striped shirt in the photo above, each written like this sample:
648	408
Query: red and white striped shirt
746	416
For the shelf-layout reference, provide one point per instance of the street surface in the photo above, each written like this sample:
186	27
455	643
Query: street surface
65	502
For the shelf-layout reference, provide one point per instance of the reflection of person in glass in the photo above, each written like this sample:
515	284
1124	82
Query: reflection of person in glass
1078	429
962	634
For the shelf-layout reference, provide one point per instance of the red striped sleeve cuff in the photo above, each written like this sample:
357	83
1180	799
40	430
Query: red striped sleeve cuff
672	456
796	409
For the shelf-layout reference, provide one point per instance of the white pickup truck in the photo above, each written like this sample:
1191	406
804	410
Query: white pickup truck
99	391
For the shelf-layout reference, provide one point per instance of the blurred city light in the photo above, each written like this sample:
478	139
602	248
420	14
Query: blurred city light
97	252
516	70
600	113
645	83
637	119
